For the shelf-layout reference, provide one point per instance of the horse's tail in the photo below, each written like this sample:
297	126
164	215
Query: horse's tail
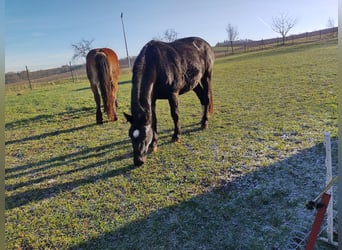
105	80
208	81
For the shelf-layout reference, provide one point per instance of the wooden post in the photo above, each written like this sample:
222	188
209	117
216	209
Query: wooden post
28	77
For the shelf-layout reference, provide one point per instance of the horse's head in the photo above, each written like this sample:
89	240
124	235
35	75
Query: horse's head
141	134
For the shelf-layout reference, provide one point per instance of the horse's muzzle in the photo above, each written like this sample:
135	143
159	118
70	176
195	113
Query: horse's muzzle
138	162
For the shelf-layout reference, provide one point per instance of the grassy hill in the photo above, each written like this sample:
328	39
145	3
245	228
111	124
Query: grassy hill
241	184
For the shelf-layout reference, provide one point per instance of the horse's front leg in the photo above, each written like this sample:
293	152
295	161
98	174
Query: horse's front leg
173	101
154	143
98	104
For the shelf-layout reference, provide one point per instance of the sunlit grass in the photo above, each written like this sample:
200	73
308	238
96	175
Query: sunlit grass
240	184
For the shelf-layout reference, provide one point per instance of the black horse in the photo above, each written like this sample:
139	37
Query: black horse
165	71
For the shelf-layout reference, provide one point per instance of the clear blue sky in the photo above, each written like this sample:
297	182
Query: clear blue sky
39	33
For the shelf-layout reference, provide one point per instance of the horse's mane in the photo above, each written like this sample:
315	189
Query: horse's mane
145	70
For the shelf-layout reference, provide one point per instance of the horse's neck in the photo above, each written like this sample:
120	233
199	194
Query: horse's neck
142	101
146	98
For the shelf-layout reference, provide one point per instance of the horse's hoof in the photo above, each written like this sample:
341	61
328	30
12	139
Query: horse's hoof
175	139
204	126
99	122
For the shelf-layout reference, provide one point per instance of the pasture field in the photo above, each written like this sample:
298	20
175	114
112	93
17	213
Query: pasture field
241	184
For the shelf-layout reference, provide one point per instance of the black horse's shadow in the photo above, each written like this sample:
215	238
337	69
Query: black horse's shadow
36	194
35	168
60	161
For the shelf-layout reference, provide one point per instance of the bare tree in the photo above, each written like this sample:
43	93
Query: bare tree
330	23
169	35
233	33
283	24
81	48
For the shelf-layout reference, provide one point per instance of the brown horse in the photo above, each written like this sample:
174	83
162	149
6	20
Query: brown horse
165	71
103	71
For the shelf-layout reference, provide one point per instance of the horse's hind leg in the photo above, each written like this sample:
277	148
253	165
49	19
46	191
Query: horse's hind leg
98	104
203	95
115	101
173	101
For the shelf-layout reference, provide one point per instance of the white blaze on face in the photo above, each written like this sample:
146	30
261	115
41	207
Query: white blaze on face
136	133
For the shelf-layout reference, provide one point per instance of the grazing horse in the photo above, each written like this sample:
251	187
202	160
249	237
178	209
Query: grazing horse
165	71
103	71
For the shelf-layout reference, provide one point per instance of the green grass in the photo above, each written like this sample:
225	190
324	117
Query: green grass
241	184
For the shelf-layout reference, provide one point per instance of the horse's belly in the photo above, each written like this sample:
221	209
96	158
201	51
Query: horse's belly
188	87
179	87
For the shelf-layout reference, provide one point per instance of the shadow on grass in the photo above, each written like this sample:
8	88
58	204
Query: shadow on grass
125	82
81	89
74	157
259	210
36	168
36	194
45	193
48	134
57	162
48	118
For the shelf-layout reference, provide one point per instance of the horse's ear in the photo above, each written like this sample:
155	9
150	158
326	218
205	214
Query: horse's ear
129	118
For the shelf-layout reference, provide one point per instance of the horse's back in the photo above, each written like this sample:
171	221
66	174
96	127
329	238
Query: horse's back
194	59
194	46
175	58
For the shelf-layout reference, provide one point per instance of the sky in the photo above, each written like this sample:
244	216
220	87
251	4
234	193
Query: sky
39	33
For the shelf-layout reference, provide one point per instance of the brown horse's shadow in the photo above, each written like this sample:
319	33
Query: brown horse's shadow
48	134
49	118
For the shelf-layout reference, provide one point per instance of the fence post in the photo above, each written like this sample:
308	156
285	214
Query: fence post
328	165
28	77
72	75
330	209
